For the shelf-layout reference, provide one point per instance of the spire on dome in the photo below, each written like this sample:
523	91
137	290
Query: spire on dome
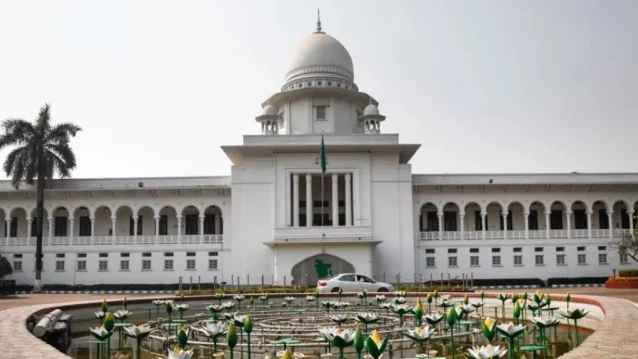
318	21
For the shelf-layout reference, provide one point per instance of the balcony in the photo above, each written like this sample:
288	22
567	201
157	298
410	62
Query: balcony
314	235
206	239
521	234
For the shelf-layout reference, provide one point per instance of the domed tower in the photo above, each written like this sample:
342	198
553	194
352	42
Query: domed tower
319	95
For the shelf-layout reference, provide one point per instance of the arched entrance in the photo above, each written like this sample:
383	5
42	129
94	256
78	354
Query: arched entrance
319	266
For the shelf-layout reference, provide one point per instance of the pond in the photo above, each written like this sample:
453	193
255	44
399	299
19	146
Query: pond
295	324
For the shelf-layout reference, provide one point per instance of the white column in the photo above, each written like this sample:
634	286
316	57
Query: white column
157	222
569	224
295	201
440	216
462	225
631	223
92	219
308	200
50	228
526	217
113	223
610	214
483	223
547	226
504	216
135	226
335	200
71	229
218	223
179	227
29	220
201	226
7	228
589	220
348	181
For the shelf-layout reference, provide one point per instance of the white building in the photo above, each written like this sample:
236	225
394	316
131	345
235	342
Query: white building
371	215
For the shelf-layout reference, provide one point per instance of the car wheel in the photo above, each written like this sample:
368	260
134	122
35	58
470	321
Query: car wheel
383	290
334	290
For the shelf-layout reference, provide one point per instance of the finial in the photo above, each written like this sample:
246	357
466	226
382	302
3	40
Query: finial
318	21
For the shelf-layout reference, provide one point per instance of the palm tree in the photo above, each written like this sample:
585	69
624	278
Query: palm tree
40	151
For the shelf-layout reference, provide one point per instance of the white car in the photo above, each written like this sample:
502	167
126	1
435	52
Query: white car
352	282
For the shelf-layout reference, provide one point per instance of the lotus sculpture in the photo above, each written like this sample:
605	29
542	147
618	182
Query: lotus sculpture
486	352
510	332
376	344
214	330
366	319
575	315
488	328
420	335
138	332
338	337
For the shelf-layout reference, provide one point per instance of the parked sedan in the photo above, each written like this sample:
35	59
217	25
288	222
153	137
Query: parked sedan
352	282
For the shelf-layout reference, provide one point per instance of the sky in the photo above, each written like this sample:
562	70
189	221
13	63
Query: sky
483	86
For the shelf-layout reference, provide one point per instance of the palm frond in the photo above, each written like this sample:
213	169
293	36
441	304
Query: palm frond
60	133
16	131
64	152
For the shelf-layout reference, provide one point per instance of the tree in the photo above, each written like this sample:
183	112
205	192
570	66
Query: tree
628	245
5	267
39	152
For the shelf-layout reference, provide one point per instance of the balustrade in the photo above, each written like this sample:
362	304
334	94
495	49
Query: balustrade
108	240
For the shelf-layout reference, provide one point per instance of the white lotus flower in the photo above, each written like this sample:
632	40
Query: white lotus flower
121	314
181	307
544	323
420	333
213	329
99	315
239	297
228	305
367	317
486	352
332	333
380	298
339	318
510	330
179	353
310	298
137	331
100	333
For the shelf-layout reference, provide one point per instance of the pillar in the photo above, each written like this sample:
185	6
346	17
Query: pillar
440	217
50	228
335	200
526	218
348	181
610	214
157	222
92	219
631	223
135	226
7	228
308	200
218	223
113	228
590	216
179	227
483	223
201	226
504	216
295	201
547	224
71	220
29	220
569	224
462	224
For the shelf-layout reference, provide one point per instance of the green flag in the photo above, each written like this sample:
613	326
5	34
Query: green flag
322	156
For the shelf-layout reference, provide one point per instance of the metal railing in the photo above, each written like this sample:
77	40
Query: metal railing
190	239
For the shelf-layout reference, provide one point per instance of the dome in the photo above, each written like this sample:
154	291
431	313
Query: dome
269	110
321	57
371	110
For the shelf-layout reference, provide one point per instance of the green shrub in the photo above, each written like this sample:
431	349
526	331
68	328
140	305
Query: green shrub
628	273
